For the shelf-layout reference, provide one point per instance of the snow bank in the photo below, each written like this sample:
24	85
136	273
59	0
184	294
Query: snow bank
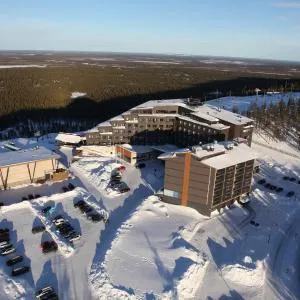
242	275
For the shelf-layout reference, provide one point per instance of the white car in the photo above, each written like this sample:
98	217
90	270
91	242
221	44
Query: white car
43	292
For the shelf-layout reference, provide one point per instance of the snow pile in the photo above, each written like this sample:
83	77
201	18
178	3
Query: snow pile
77	94
21	66
148	256
245	276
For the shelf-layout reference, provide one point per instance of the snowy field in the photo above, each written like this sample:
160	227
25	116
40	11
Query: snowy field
243	103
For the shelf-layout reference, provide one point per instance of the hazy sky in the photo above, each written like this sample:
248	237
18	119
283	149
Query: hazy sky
253	28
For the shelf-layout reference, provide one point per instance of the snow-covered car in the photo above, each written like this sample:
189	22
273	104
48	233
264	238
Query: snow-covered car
14	260
4	244
7	250
20	270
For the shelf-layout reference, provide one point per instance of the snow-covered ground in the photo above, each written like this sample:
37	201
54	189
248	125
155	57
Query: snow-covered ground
154	250
77	94
243	103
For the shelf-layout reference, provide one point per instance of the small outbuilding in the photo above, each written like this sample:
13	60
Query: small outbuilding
27	166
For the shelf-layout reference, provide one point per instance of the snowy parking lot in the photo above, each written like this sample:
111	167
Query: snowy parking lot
153	250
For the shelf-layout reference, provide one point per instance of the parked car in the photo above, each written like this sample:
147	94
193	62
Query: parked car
3	244
30	197
37	196
71	186
290	194
59	221
140	166
124	190
38	229
20	270
48	246
24	198
121	168
4	236
79	203
273	187
44	292
1	204
252	222
298	181
285	178
7	250
14	260
95	217
46	209
292	179
261	181
116	176
279	189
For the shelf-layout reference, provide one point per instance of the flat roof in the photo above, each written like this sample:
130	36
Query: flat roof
68	138
205	116
223	115
137	148
26	156
214	126
236	155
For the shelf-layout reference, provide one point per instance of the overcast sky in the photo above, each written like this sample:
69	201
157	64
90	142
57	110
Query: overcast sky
238	28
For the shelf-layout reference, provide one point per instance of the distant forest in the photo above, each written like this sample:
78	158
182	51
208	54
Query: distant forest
40	98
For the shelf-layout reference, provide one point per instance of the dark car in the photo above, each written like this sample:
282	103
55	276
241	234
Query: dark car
290	194
86	209
30	197
14	260
37	196
273	187
48	246
285	178
279	189
292	179
95	217
71	186
24	198
46	293
116	176
38	229
298	181
79	203
65	189
46	209
1	204
268	185
20	270
261	181
140	166
4	237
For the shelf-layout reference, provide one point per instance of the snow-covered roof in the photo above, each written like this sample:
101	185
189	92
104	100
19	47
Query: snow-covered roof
153	103
172	154
236	155
68	138
137	148
214	126
224	115
205	116
159	115
117	118
26	156
165	148
104	124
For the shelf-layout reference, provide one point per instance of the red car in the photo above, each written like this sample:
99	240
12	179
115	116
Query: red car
121	168
124	190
